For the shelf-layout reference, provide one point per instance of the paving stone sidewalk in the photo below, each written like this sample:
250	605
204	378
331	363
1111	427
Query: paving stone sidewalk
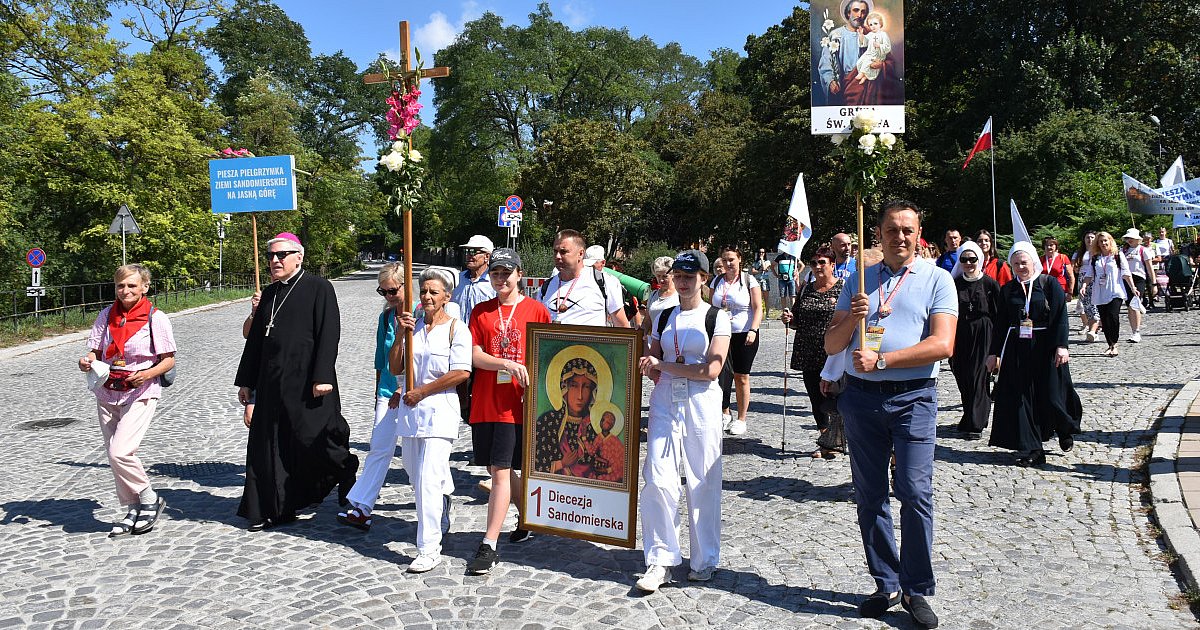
1066	546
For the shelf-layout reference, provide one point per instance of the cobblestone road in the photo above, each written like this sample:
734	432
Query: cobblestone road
1067	546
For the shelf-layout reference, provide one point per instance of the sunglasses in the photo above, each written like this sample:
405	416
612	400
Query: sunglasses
819	263
474	252
281	255
970	260
382	291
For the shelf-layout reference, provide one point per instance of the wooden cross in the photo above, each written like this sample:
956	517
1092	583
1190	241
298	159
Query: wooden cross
406	71
407	76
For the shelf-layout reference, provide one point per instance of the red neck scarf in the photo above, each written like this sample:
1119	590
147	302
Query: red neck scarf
123	324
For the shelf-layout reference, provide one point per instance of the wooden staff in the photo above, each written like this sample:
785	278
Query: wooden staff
254	231
862	282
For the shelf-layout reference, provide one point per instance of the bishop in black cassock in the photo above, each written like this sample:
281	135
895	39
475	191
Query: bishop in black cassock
299	444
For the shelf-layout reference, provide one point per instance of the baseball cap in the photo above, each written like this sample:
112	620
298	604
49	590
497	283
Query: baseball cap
504	257
479	241
691	261
593	255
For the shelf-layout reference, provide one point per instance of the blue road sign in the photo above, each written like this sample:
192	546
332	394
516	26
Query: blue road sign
513	203
35	257
258	184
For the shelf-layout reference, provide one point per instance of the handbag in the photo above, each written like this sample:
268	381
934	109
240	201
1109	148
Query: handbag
167	378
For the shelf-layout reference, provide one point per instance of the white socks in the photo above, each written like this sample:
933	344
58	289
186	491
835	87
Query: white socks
490	543
148	496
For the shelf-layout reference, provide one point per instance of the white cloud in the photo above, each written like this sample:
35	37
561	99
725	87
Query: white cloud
435	34
578	13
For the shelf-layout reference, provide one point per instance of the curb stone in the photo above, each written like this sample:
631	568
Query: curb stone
1178	529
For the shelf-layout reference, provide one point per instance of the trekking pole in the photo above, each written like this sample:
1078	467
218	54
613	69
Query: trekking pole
783	435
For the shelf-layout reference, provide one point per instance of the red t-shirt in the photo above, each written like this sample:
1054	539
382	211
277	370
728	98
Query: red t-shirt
1057	269
998	270
490	326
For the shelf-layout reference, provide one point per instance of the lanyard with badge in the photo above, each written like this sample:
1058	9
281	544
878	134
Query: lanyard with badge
504	376
1025	331
875	333
725	296
679	385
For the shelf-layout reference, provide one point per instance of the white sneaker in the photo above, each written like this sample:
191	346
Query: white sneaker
737	427
425	562
703	575
1135	337
726	420
1090	337
654	577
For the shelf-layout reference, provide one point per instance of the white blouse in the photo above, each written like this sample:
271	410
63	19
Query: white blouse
435	354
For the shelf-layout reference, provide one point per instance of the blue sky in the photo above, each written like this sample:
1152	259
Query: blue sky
364	28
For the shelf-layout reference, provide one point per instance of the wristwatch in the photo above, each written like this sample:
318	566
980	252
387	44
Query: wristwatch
880	364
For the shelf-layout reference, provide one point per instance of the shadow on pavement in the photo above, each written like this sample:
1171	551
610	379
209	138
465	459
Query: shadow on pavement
72	515
798	490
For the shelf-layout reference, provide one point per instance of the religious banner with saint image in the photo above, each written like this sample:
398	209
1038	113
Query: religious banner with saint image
582	430
857	62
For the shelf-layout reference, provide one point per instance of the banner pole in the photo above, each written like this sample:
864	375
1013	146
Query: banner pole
992	153
862	282
254	231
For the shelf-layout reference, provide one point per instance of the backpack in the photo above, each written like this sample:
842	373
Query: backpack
710	320
712	284
167	378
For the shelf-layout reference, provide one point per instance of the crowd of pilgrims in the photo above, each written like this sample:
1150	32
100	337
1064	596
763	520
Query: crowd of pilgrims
701	322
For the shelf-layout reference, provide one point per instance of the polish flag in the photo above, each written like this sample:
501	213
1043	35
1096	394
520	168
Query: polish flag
983	143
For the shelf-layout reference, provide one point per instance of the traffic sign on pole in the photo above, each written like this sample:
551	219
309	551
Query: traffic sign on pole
35	292
513	203
35	257
35	276
501	214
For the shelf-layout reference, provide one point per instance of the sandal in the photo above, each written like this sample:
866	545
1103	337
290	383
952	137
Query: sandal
124	527
824	453
147	515
355	518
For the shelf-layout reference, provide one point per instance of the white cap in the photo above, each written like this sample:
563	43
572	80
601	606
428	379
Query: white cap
593	255
1133	233
479	241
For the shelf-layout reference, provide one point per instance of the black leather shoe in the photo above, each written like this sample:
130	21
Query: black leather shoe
921	613
1066	443
878	603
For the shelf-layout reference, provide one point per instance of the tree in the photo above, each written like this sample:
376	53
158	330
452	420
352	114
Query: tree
595	174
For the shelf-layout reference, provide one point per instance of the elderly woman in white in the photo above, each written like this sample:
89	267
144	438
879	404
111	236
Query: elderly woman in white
430	419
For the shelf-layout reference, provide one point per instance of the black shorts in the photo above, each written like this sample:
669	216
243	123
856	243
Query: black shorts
741	356
498	444
1139	283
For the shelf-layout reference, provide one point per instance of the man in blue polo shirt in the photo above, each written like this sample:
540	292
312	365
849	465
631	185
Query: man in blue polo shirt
949	258
911	312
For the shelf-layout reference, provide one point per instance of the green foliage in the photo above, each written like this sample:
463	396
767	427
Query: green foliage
537	256
641	261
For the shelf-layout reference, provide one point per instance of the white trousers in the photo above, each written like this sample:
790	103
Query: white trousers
383	448
123	427
427	461
691	439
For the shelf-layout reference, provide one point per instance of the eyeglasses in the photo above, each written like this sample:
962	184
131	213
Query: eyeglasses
383	291
471	253
281	255
819	263
968	260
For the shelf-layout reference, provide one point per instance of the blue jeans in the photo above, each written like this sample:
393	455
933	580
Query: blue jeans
878	424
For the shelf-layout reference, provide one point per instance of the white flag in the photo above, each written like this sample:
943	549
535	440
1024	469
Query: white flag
798	228
1174	175
1019	231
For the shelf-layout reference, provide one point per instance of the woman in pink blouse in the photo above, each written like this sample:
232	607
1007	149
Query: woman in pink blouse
133	342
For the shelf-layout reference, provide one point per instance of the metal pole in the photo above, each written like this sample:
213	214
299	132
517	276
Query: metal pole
123	240
220	254
992	152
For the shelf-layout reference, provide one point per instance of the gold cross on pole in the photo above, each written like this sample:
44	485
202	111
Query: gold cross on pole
408	78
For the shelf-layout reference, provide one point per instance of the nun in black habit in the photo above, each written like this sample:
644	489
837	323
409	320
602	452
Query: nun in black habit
978	303
299	444
1035	398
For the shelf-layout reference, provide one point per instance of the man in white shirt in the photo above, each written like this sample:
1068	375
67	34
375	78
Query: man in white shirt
474	286
574	296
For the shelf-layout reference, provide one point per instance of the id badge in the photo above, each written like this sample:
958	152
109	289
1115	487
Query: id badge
503	376
1026	329
679	390
874	338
